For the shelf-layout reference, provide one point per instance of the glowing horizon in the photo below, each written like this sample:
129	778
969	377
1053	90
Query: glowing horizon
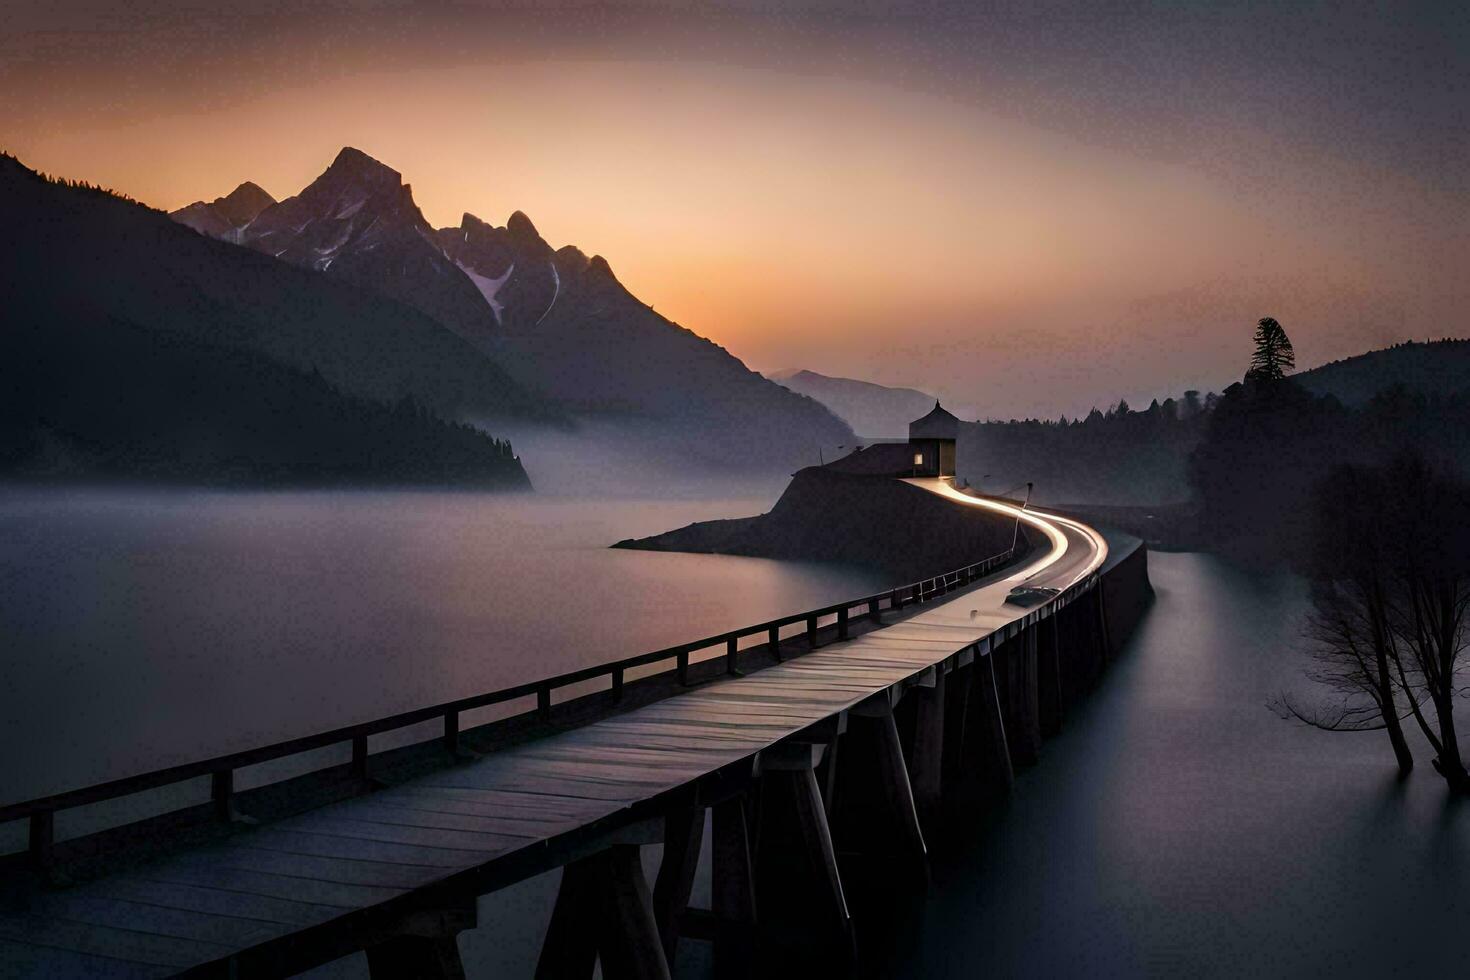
1011	255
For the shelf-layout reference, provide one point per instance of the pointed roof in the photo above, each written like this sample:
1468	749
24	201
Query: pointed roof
938	424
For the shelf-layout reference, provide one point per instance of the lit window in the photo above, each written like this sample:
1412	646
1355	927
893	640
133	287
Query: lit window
918	459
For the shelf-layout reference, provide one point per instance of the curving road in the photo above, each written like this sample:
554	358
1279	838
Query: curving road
1077	551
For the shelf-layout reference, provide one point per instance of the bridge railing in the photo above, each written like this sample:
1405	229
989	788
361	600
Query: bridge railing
221	769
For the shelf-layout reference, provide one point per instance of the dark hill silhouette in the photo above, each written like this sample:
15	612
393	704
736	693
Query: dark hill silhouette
101	398
559	322
1440	367
134	348
873	410
132	263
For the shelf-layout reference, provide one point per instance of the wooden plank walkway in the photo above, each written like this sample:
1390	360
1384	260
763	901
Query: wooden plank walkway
249	898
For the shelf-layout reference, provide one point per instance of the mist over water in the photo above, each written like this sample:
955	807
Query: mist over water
145	628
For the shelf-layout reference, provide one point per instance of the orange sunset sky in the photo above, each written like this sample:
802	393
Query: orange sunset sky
1026	211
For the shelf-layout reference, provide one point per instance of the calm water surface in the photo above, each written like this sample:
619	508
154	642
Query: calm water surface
1178	828
147	628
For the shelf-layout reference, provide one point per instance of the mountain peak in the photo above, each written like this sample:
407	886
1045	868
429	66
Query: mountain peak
520	227
241	205
598	266
353	164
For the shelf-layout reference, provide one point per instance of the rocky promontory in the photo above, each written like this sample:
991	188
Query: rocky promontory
831	516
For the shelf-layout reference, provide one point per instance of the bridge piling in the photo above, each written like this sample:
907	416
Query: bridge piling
683	836
989	727
797	876
424	946
1048	677
603	912
926	768
876	812
1024	684
732	886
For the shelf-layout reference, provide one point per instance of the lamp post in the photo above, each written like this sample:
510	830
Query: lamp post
1016	533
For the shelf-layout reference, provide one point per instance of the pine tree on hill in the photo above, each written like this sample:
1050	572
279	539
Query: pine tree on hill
1274	355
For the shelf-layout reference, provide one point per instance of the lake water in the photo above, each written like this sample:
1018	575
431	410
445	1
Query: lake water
1178	828
1175	827
146	628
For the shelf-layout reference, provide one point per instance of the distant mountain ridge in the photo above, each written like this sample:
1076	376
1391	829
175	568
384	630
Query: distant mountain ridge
1440	367
226	217
873	410
556	320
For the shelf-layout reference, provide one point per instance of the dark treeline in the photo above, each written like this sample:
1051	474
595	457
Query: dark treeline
95	398
1267	446
1237	471
1120	456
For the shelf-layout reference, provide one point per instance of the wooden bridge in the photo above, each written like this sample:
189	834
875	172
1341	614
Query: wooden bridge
785	733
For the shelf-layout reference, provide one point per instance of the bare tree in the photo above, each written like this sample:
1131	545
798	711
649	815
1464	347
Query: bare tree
1431	519
1350	628
1390	566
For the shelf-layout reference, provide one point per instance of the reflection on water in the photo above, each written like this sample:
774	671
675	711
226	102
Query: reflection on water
1177	827
146	628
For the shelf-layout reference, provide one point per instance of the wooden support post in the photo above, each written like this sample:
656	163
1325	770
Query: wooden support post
1049	676
732	888
629	946
617	684
543	702
796	866
569	951
732	651
990	728
683	834
424	946
842	623
875	810
1026	745
811	632
1089	623
927	766
360	758
773	641
604	911
42	841
451	731
874	614
896	600
957	757
682	661
222	793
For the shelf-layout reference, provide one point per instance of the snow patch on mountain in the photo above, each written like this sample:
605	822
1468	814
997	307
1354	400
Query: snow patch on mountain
556	279
488	287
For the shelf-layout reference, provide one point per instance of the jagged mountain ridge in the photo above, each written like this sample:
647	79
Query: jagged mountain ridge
558	321
118	260
358	222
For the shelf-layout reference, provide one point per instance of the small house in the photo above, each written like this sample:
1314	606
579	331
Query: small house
932	441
